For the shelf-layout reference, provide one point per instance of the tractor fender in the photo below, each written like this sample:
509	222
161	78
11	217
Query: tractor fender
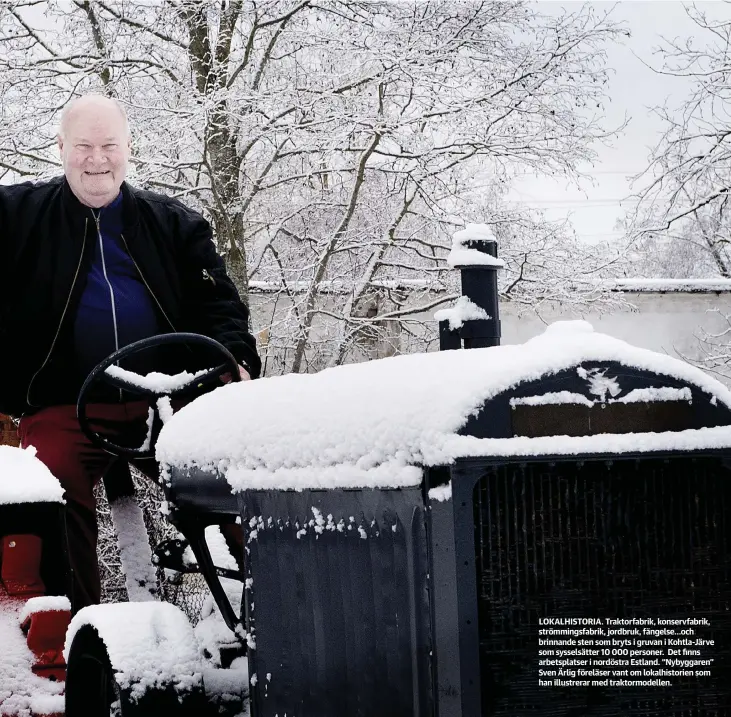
151	647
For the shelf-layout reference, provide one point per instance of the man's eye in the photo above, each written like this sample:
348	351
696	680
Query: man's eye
110	146
83	146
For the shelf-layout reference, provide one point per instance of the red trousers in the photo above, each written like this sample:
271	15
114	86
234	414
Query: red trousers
79	466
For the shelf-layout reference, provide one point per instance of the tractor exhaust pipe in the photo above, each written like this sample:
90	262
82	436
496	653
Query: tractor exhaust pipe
474	322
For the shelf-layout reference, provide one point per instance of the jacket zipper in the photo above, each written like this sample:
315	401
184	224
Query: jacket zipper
97	220
142	276
60	323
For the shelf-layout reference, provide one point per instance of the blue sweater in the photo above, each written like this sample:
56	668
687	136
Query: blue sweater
115	308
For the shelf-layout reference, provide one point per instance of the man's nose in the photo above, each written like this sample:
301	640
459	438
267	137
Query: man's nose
97	155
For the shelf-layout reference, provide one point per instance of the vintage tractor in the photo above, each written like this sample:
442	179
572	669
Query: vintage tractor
410	524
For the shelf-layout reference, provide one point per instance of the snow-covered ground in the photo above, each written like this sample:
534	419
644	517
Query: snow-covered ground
22	693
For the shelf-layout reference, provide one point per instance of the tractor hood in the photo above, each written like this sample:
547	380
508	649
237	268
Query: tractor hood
377	424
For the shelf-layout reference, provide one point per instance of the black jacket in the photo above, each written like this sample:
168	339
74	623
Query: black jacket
46	247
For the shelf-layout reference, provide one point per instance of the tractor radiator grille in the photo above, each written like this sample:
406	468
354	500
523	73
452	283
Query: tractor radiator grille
630	538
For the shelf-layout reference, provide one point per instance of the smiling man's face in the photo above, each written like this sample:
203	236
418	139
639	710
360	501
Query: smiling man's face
95	147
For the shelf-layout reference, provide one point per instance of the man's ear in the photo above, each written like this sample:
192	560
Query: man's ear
59	140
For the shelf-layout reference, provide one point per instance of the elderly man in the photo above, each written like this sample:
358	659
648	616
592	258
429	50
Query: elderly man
90	264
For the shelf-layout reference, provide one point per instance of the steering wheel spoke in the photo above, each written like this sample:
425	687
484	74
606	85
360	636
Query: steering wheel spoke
160	410
210	378
121	382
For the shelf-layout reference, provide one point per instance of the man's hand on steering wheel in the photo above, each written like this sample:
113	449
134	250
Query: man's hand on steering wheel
226	377
157	391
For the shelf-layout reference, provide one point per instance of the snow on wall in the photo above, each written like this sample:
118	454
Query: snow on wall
24	479
666	285
365	424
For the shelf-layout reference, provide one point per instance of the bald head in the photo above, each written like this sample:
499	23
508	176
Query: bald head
95	104
94	142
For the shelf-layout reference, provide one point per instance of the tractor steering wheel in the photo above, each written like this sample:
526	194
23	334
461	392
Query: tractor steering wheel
154	390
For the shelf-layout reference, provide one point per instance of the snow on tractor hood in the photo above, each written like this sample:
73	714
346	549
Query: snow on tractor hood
375	424
24	479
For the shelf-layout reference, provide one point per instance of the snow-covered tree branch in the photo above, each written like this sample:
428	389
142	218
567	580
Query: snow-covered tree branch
330	142
682	223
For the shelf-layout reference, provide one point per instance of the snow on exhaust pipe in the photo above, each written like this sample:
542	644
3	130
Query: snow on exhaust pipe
474	321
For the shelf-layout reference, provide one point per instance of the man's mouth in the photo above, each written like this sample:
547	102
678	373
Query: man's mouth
97	174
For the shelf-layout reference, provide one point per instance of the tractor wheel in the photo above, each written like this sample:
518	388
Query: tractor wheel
91	690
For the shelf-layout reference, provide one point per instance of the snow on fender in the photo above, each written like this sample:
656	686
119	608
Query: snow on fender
150	645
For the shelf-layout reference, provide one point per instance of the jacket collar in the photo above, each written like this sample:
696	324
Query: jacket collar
79	211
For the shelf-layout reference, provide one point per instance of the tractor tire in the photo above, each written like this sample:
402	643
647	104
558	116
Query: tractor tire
91	690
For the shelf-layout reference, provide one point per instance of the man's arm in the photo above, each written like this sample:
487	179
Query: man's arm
212	299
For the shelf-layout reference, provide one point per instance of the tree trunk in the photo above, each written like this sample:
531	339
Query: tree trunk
220	146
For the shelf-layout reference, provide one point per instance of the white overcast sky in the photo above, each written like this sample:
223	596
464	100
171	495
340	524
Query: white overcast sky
634	89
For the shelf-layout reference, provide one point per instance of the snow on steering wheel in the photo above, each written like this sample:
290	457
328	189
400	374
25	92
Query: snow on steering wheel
158	388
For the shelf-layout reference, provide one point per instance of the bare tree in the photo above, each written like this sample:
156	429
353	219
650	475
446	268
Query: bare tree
328	142
682	223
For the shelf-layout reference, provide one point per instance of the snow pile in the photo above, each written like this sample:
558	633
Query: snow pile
228	685
24	479
150	644
441	493
664	393
44	603
463	310
462	255
637	395
372	424
134	550
618	443
21	692
552	399
212	632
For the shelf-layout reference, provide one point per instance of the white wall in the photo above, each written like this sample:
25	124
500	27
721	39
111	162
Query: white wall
669	322
666	322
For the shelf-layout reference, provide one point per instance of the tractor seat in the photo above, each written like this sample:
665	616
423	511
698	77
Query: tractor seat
204	491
